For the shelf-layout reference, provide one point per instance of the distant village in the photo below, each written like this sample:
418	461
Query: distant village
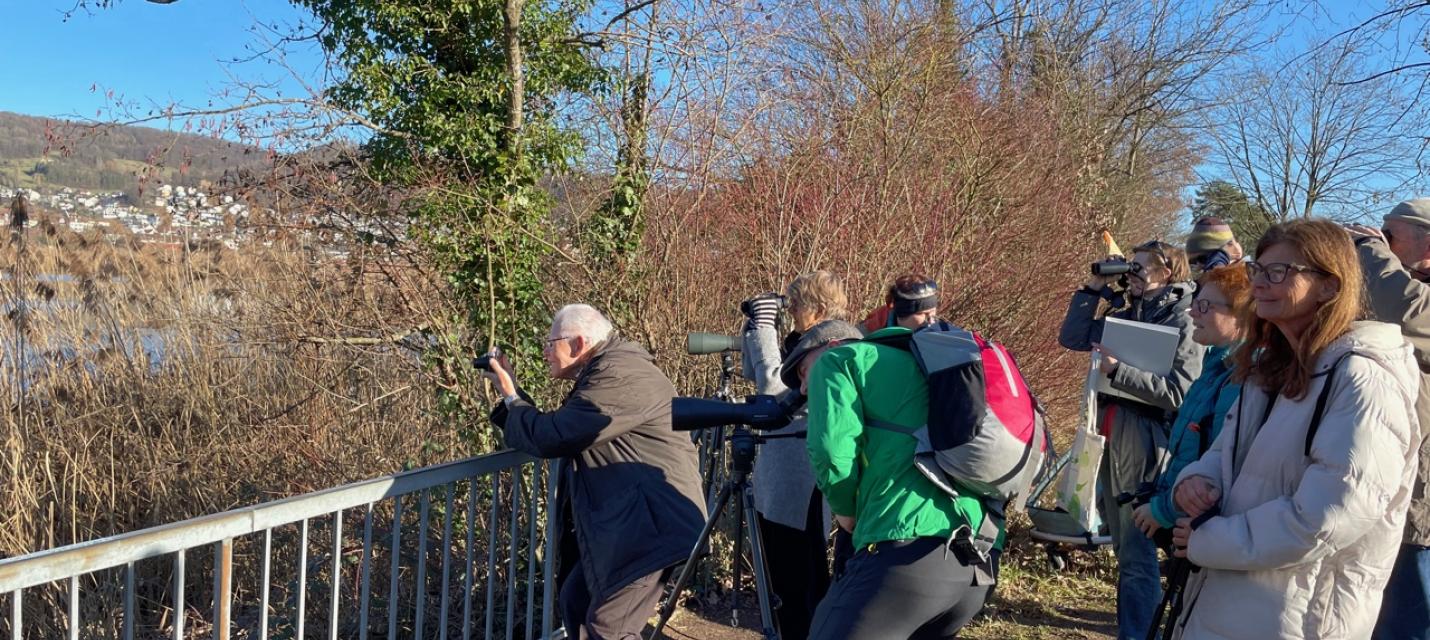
174	215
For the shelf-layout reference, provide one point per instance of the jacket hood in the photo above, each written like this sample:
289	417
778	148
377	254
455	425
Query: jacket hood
1379	341
1175	294
614	350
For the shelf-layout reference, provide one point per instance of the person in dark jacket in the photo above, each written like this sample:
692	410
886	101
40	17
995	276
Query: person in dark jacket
1137	429
630	484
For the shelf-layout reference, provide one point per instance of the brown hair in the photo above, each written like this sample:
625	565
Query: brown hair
1234	281
1170	256
1266	356
821	293
906	282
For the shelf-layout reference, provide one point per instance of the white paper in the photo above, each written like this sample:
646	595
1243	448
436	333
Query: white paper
1143	345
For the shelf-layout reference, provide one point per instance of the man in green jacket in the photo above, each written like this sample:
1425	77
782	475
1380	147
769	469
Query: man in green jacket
906	578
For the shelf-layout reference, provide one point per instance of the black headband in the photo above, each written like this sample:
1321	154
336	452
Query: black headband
922	297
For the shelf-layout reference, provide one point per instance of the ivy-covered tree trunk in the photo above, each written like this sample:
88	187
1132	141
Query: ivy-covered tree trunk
465	93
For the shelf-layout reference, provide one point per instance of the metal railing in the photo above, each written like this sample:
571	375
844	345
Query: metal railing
264	565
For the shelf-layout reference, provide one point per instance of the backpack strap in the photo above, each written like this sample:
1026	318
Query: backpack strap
1321	400
885	425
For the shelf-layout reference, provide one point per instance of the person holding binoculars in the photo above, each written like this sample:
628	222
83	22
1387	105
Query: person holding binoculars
1137	430
793	518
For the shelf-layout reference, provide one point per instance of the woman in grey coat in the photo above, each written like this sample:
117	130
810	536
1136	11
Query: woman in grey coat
794	521
1137	430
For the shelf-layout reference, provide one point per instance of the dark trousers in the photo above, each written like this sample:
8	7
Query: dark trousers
621	616
799	569
903	589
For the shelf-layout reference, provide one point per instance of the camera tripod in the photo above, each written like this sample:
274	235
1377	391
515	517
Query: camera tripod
742	461
1180	570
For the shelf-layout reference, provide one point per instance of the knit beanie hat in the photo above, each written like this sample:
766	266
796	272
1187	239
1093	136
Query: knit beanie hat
1416	212
1208	235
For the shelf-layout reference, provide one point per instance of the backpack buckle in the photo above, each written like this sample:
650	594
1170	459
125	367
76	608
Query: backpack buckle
964	548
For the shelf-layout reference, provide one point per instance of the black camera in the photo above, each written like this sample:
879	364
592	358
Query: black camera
1116	267
484	362
1142	496
762	412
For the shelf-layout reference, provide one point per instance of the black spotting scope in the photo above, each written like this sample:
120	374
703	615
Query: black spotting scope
700	343
757	412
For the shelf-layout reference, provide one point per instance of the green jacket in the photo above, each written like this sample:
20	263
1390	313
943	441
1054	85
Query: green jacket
868	473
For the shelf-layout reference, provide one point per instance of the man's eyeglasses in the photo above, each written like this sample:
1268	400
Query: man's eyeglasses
1276	272
551	341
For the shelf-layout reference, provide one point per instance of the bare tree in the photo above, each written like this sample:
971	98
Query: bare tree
1127	78
1316	135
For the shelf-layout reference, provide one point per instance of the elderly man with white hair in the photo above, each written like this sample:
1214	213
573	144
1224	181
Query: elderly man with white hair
630	485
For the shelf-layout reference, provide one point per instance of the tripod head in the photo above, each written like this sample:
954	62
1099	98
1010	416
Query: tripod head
743	447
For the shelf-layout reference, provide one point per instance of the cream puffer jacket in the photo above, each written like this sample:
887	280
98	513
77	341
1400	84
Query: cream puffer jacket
1304	543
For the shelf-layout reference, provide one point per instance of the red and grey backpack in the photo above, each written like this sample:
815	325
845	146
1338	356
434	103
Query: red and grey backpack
986	435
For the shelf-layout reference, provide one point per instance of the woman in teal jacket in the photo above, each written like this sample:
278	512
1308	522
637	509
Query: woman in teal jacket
1223	296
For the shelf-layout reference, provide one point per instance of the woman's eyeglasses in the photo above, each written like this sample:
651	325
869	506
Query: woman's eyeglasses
1204	306
1276	272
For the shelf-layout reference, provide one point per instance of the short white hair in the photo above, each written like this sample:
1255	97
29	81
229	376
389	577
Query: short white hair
581	320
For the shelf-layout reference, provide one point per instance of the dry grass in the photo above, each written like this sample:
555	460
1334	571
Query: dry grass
166	384
1034	601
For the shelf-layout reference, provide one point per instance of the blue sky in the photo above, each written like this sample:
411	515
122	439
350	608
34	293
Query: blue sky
151	55
145	52
157	54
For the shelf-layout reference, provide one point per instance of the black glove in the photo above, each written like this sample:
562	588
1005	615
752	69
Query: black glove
761	310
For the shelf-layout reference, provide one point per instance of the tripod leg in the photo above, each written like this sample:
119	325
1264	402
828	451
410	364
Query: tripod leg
762	570
1184	576
667	609
1176	579
737	559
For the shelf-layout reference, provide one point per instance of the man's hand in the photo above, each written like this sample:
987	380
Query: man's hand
761	311
1195	495
1359	231
845	522
1096	283
1142	517
1180	535
501	375
1107	363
